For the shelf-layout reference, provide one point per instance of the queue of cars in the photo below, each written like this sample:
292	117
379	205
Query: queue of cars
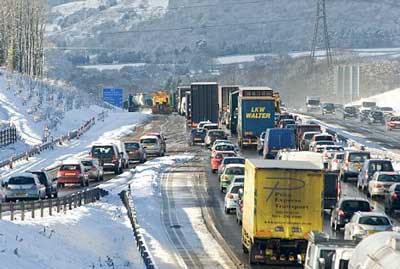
103	157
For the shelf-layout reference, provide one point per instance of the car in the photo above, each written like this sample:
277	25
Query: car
392	199
369	168
217	158
162	139
232	197
364	112
93	169
350	112
376	117
345	208
108	157
320	145
72	172
328	108
329	150
224	141
224	147
213	135
201	124
393	123
320	137
381	182
50	182
388	111
197	135
152	145
277	139
353	160
229	160
239	208
210	126
260	143
336	162
123	154
230	171
363	224
306	140
24	186
237	179
136	152
284	122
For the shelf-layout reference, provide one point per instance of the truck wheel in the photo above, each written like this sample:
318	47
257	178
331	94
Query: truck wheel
227	211
244	248
55	195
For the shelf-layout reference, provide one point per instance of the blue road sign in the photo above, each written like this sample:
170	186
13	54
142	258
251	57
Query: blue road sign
114	97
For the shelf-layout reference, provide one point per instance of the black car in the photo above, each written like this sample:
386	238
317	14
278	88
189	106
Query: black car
350	112
328	108
197	135
376	117
344	210
392	199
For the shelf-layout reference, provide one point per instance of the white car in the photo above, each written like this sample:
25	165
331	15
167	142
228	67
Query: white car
152	145
201	123
363	224
381	182
232	197
93	169
336	162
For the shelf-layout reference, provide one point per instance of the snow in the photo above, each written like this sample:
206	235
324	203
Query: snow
388	99
102	67
93	236
244	58
70	8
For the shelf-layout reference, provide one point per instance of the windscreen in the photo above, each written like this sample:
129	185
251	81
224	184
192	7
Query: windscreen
329	106
132	146
41	176
359	156
309	136
350	109
106	151
324	138
236	189
21	181
395	119
389	178
381	166
339	156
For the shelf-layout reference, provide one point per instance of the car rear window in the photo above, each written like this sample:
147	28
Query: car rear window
106	151
309	136
224	147
132	146
236	189
148	141
224	155
323	138
351	205
21	180
239	180
238	160
235	171
87	163
70	167
395	119
216	133
389	178
380	166
374	220
350	109
359	156
339	156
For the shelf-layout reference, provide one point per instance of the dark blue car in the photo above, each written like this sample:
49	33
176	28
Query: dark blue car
277	139
197	135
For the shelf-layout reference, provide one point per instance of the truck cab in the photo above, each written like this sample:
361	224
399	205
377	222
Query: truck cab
327	253
313	104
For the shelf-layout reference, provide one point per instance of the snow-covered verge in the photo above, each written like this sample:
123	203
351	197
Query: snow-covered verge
386	99
98	235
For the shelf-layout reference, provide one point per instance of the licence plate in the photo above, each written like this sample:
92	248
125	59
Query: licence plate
21	194
197	139
70	174
371	232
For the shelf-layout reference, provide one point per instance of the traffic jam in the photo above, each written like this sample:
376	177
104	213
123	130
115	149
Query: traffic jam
282	176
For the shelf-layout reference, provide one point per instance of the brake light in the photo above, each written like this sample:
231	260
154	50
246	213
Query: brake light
113	158
341	212
60	173
230	196
395	196
366	174
378	185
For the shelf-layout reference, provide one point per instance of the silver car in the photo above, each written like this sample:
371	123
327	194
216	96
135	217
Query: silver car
152	145
25	186
381	182
93	169
363	224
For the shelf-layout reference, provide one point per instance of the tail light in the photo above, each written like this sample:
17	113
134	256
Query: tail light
59	174
230	196
378	185
341	212
366	174
113	158
395	196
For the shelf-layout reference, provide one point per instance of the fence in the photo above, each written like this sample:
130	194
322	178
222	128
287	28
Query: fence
58	204
128	203
8	136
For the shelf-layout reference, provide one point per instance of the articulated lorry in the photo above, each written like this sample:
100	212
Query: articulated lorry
256	113
223	98
282	203
204	102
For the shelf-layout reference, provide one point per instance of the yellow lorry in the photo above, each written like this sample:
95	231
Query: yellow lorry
282	203
161	103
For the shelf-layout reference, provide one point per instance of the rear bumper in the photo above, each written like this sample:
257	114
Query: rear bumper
22	195
376	191
69	180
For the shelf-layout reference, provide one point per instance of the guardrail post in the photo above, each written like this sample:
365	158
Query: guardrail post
70	202
22	210
41	209
50	207
33	209
1	210
58	205
12	211
75	197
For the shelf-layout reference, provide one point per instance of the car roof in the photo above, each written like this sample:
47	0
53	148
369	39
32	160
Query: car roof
23	174
131	141
234	165
342	199
224	151
103	145
148	137
71	162
373	213
387	173
216	130
225	144
378	160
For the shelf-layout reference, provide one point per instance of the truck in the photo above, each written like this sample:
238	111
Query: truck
276	139
313	104
223	98
282	203
233	113
161	103
180	95
204	102
256	113
187	107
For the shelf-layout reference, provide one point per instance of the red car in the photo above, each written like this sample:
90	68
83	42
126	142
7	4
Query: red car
393	123
72	173
218	156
